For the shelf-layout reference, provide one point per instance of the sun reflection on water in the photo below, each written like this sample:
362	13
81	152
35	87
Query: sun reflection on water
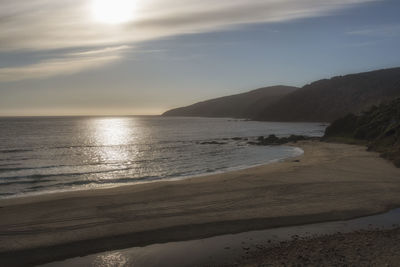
113	131
115	259
115	145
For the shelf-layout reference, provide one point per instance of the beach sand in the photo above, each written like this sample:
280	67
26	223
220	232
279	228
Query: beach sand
329	182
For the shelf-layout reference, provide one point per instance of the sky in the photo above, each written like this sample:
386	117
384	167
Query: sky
132	57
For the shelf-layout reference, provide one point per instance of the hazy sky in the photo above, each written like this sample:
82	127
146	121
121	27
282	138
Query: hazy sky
69	57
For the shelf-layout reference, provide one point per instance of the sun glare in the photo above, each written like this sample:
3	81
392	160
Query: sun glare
112	11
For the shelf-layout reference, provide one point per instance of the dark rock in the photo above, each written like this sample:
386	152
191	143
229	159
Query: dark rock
274	140
253	143
212	143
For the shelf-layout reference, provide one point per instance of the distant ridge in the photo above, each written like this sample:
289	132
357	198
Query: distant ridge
321	101
329	99
245	105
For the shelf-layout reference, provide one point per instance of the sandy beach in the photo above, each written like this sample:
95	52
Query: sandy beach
329	182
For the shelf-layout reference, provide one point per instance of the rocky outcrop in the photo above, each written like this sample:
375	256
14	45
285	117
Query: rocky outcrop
378	128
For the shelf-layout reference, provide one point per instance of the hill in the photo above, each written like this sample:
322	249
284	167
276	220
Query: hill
379	128
329	99
245	105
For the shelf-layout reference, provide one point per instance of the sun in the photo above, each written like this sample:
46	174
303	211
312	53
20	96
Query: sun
112	11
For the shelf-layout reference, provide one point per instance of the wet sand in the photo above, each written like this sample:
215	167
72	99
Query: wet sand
330	182
254	248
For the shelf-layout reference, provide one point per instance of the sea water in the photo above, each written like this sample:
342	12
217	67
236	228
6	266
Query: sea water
50	154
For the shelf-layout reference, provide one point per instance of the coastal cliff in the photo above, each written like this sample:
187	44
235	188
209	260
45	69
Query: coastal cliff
379	128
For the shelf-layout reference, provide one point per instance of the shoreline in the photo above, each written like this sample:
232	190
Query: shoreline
330	182
171	179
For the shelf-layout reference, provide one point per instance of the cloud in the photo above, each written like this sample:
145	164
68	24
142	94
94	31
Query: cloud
62	25
64	65
381	31
49	24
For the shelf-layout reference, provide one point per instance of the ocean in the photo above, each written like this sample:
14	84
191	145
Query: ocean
50	154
